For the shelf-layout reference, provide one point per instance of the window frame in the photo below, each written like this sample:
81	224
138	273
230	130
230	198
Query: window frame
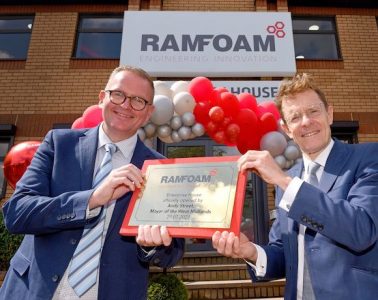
318	32
18	31
7	134
79	30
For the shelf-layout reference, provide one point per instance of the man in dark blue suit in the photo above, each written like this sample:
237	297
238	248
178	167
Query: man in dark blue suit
55	200
325	238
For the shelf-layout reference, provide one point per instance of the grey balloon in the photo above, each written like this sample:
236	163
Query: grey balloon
184	132
176	122
188	119
150	129
198	129
175	137
164	131
274	142
291	152
281	161
141	134
163	112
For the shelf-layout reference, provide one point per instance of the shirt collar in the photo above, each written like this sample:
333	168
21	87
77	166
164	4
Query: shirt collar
126	146
321	159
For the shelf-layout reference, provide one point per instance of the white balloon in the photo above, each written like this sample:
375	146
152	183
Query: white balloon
184	132
161	88
141	134
184	102
163	110
149	143
164	131
175	137
281	161
188	119
149	129
166	139
274	142
176	122
198	129
291	152
179	86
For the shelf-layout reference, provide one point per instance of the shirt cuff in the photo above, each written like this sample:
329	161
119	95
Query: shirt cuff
290	193
260	267
91	213
148	251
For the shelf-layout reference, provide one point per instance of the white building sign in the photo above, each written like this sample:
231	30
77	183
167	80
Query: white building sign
217	44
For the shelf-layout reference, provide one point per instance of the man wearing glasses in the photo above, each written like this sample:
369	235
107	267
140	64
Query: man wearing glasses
325	238
71	202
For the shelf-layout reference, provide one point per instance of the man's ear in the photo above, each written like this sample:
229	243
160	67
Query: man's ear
101	97
330	114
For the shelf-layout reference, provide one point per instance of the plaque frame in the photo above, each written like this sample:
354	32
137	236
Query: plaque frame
192	232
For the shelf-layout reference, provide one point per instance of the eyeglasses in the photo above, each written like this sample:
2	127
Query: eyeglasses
118	98
311	112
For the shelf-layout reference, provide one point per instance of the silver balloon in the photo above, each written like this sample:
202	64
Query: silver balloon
163	110
179	86
281	161
274	142
289	163
198	129
150	130
175	137
291	152
164	131
184	132
176	122
188	119
141	134
166	139
184	102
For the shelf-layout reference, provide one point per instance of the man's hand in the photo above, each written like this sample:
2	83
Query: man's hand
262	163
151	236
116	184
228	244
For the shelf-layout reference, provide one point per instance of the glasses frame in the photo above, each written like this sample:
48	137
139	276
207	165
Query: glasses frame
131	98
305	112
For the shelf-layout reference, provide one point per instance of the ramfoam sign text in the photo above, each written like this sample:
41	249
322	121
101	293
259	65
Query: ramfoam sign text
175	44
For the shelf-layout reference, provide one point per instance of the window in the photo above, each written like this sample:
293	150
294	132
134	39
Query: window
7	133
315	38
15	32
99	37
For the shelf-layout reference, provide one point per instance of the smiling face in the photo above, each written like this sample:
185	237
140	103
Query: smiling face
305	124
121	121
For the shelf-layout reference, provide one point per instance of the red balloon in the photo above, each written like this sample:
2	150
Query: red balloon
229	103
247	100
220	137
17	160
92	116
201	112
215	98
200	88
232	132
211	127
248	141
216	114
268	123
246	119
78	123
261	110
271	107
221	89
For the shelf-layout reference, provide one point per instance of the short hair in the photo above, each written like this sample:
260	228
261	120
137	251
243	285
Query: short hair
301	82
138	71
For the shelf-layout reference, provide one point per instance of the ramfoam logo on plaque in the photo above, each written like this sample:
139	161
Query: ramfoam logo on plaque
209	43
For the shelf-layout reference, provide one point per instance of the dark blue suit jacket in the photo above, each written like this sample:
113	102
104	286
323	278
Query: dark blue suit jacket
342	220
49	206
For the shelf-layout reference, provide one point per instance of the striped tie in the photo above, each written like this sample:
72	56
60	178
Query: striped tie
85	261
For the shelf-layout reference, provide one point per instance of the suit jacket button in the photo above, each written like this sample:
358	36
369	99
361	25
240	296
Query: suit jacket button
59	218
304	219
156	261
73	241
73	215
55	278
320	227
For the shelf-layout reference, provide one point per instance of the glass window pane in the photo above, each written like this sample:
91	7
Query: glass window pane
101	24
309	24
185	151
3	148
16	24
99	45
315	46
225	151
14	46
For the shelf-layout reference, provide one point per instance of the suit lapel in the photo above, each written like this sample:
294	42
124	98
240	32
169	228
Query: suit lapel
335	162
141	153
295	171
87	151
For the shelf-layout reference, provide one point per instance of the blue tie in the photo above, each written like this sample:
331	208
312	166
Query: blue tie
85	261
308	292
